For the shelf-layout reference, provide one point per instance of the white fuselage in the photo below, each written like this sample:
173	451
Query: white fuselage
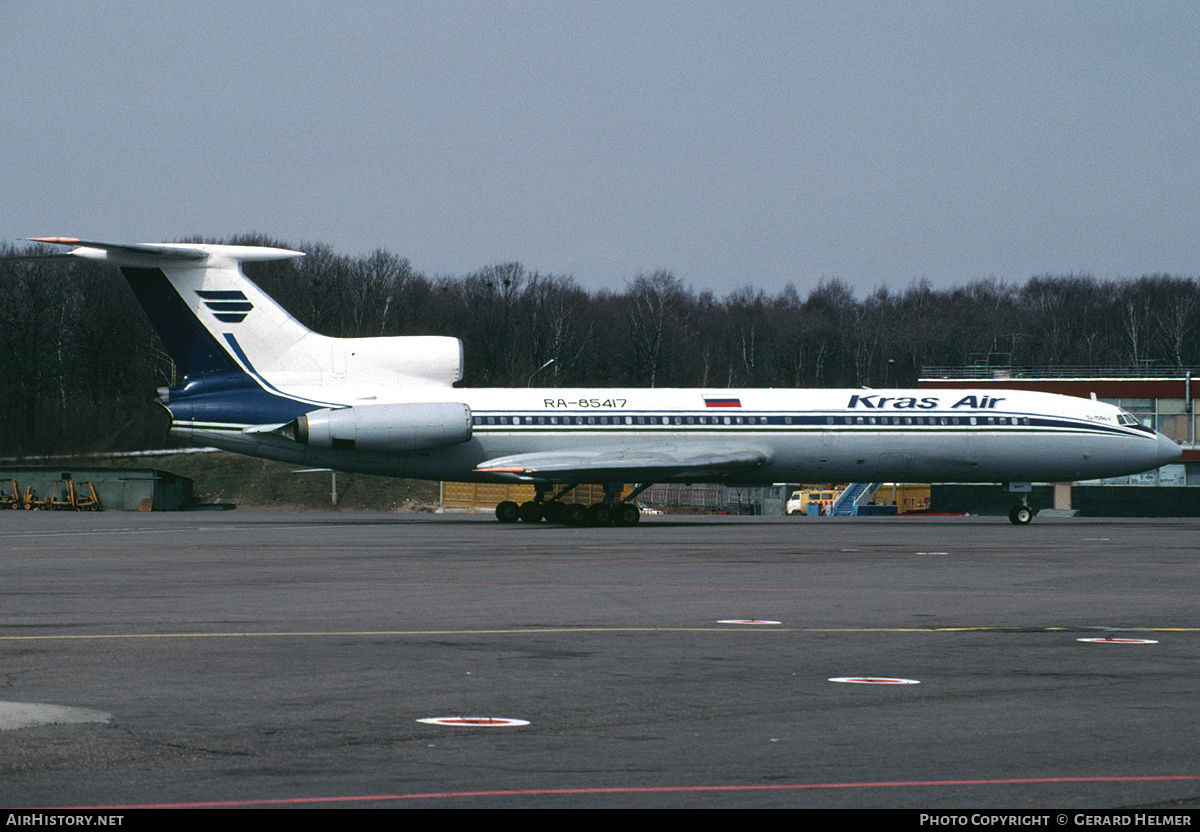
805	435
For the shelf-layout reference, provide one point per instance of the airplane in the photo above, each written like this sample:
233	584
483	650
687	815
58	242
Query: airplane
256	381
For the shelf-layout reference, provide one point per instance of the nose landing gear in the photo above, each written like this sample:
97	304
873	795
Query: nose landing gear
1020	515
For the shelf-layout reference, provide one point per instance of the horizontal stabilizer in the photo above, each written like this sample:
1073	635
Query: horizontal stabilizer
164	250
168	252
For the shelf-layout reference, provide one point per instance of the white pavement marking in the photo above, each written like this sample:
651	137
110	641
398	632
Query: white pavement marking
873	680
473	721
14	715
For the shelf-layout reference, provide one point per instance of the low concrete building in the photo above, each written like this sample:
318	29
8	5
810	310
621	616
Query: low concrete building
119	489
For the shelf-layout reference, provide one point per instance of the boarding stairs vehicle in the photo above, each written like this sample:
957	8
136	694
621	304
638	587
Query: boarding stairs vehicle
856	495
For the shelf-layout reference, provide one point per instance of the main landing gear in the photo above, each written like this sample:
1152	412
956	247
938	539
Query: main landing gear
611	511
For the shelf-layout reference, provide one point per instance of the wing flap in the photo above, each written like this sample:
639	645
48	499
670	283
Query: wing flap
642	465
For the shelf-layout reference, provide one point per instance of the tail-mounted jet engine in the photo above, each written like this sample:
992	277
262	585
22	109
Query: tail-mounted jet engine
385	427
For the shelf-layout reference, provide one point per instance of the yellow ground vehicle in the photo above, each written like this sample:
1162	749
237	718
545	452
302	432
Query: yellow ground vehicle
907	497
11	497
801	499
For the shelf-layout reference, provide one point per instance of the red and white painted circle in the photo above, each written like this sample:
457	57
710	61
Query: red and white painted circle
747	621
1118	640
873	680
473	721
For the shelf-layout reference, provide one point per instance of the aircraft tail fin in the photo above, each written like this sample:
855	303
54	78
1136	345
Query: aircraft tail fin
212	318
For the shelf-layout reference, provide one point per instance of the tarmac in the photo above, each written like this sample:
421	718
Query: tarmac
285	660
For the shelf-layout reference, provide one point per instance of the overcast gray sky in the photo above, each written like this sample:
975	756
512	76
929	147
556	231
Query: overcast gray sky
739	143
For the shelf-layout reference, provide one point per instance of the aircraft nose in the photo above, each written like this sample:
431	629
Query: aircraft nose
1167	451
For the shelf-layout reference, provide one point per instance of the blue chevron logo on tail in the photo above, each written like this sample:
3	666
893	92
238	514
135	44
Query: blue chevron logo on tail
230	307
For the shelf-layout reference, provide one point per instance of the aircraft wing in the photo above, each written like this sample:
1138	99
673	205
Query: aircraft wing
640	465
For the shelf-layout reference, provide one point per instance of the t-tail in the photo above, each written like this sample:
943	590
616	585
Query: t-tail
244	360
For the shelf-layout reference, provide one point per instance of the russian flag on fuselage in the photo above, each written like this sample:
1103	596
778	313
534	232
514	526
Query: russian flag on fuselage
722	401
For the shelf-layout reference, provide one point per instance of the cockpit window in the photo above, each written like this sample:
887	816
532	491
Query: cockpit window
1126	420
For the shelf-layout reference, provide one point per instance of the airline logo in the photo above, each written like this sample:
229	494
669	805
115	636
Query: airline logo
229	307
721	401
875	401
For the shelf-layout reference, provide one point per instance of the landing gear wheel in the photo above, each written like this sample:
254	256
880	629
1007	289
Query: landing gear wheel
575	514
1020	515
532	512
508	512
627	514
554	510
599	514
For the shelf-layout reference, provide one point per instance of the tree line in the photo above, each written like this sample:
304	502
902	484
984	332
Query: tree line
81	362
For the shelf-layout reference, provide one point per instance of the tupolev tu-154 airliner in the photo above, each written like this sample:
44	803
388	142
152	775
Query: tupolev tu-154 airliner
256	381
